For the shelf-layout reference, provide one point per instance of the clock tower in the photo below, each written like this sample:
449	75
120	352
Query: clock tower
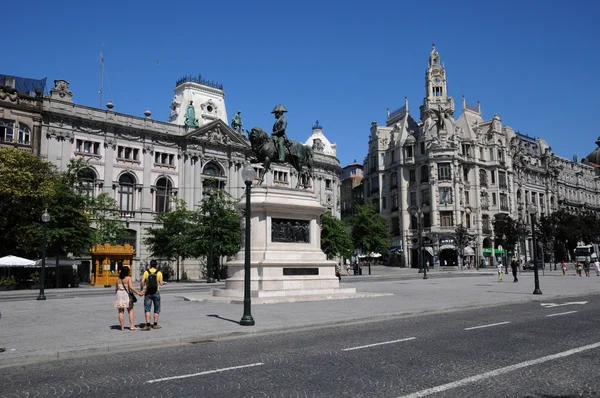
436	91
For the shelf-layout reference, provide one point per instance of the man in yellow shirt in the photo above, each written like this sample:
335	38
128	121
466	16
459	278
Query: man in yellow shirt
151	282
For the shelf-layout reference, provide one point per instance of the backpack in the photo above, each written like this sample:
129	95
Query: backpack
152	282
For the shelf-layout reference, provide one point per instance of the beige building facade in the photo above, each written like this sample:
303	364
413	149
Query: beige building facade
429	176
144	163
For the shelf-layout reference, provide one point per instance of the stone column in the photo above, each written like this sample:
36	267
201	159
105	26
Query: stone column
197	188
147	162
433	192
109	160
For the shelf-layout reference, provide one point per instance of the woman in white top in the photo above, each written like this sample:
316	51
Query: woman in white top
122	300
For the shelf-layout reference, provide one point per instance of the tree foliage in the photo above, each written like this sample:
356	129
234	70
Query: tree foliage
462	240
224	226
172	237
104	213
69	229
369	230
26	183
508	232
335	238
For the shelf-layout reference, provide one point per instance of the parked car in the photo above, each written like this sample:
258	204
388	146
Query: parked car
529	264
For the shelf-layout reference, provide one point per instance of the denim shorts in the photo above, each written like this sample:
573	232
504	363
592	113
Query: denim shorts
150	299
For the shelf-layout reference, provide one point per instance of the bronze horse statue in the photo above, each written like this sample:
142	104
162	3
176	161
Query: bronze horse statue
300	156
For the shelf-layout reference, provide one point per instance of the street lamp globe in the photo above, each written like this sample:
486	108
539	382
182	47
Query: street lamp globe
248	173
532	209
45	216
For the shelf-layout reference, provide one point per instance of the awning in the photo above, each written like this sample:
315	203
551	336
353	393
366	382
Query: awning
14	261
444	247
469	251
395	249
62	262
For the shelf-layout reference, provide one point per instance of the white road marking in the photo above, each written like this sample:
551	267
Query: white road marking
487	326
562	313
560	305
376	344
497	372
205	373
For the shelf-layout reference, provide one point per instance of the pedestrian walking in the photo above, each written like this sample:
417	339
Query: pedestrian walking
514	265
586	267
123	299
597	266
338	271
499	266
151	283
578	269
563	266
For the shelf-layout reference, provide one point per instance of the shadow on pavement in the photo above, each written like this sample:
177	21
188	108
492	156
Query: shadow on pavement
225	319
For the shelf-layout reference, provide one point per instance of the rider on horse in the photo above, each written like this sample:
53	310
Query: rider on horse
278	135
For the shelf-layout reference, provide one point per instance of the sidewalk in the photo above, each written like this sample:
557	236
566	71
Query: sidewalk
73	325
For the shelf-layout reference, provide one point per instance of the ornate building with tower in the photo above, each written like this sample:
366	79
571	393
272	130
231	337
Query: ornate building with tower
144	163
429	176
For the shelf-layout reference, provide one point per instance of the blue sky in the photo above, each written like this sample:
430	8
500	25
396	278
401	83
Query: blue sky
342	63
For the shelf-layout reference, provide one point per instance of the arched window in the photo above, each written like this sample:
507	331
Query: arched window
87	182
212	178
7	130
164	189
24	134
211	169
126	185
483	178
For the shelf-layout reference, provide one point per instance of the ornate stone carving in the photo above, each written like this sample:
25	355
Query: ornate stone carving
12	97
148	148
129	135
169	143
318	145
61	90
61	135
110	142
209	109
290	231
215	135
174	109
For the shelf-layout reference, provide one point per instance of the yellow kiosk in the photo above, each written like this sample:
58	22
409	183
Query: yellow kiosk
107	262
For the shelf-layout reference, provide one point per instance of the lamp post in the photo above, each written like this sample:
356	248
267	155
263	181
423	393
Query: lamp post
532	209
418	212
210	277
248	174
45	220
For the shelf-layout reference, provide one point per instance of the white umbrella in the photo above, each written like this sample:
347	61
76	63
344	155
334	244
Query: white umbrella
14	261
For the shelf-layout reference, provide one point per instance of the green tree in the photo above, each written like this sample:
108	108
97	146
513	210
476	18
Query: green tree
223	227
567	232
462	241
173	238
335	238
369	230
508	232
26	183
104	213
546	234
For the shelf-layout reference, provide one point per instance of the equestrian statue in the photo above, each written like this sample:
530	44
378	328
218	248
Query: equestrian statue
279	149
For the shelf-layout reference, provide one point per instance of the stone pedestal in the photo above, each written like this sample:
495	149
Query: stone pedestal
286	255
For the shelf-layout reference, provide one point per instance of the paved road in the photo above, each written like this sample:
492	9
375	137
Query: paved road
515	350
73	324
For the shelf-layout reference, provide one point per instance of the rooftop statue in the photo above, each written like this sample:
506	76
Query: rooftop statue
236	122
279	149
190	116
